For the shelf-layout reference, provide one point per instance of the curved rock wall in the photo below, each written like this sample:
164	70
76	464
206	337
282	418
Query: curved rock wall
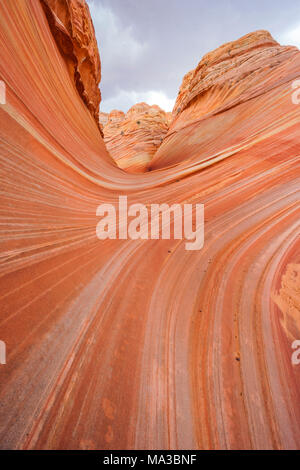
72	28
237	94
122	344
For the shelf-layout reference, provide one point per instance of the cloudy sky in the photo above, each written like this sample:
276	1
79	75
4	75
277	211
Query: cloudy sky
147	46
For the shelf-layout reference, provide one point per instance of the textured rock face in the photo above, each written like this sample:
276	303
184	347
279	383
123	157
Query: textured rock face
103	119
73	30
140	344
288	301
228	96
133	139
235	63
116	116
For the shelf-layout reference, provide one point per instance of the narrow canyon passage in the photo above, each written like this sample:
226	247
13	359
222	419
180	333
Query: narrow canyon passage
140	344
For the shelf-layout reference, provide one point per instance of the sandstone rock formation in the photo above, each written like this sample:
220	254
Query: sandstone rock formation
73	30
133	139
228	96
122	344
103	119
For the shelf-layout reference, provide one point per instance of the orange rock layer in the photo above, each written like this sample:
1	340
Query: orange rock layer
72	28
133	138
238	94
140	344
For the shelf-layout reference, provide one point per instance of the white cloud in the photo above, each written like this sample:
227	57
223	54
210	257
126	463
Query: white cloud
125	99
291	37
116	42
160	98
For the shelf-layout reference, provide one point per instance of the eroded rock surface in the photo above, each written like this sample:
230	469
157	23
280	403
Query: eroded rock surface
237	94
133	138
140	344
73	30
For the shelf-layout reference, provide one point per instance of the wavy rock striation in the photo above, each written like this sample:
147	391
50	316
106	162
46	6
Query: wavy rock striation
234	95
121	344
133	138
72	28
